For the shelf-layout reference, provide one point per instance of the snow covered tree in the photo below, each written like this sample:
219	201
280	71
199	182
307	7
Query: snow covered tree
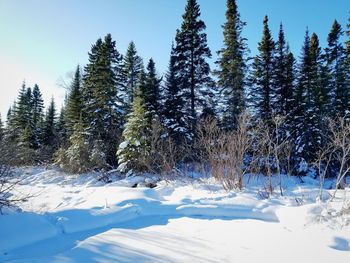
262	76
232	66
101	113
335	54
174	117
131	69
135	146
191	52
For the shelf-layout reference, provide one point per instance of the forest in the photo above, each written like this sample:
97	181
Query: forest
274	113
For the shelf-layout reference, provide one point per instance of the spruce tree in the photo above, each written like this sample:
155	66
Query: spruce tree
335	54
136	134
262	76
2	133
150	92
50	131
101	82
38	115
191	52
74	104
232	66
132	66
174	117
283	76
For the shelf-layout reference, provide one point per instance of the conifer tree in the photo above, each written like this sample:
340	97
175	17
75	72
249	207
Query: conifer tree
50	132
174	117
102	114
262	76
336	63
283	76
191	52
37	105
1	130
136	134
61	128
74	104
150	92
232	66
131	68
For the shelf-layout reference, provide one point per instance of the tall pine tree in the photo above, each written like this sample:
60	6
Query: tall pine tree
191	52
262	76
50	132
232	66
174	116
132	66
336	63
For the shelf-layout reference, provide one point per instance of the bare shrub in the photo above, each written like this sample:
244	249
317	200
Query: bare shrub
272	150
334	157
226	152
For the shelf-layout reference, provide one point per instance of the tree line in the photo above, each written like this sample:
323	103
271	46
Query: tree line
117	105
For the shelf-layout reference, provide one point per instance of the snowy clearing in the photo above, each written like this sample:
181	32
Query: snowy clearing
72	219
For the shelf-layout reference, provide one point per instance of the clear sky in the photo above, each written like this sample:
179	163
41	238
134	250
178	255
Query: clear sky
43	40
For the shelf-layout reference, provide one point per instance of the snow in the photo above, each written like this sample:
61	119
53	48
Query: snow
79	219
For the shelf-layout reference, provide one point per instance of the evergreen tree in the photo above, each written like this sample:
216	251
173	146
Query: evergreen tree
336	63
232	66
102	79
61	128
135	146
262	76
22	114
283	76
74	104
132	66
150	92
191	52
1	130
38	115
174	117
50	132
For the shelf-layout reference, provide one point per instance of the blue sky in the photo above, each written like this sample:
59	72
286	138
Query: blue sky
43	40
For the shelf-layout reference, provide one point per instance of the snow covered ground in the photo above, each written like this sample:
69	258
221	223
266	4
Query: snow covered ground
72	219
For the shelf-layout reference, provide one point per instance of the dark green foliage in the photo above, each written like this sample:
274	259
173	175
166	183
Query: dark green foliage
101	114
191	52
262	76
174	117
335	54
1	130
150	91
50	132
232	66
74	104
131	69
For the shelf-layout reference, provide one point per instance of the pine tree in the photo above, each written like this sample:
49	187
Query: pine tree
102	114
2	133
150	92
232	66
22	114
309	98
50	132
38	115
262	76
61	128
191	52
174	117
74	104
335	54
135	146
283	76
132	66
